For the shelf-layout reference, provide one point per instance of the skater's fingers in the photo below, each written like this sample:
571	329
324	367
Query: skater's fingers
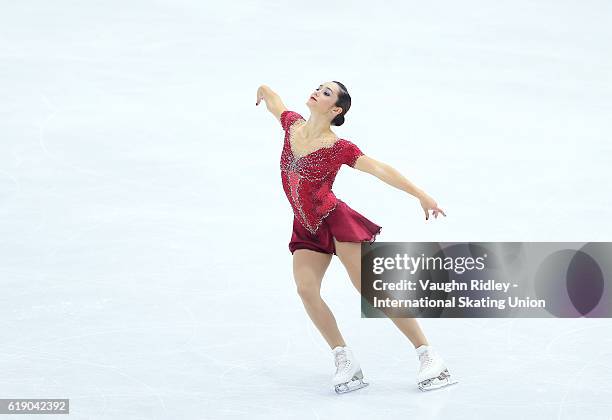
441	211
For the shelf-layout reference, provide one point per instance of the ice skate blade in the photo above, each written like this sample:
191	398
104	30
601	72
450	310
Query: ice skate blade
354	384
350	387
434	387
441	381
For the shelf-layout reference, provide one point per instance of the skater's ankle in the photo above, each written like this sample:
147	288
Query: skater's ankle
422	348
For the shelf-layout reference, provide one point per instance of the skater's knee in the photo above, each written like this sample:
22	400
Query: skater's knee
308	293
308	289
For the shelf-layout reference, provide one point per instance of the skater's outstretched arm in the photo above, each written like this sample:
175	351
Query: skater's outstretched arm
273	102
393	177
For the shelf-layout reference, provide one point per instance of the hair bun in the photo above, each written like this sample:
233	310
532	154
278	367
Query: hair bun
339	120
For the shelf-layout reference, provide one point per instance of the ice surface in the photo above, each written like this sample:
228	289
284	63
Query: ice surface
143	230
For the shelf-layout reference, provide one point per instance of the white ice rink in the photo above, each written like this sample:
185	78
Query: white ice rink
144	265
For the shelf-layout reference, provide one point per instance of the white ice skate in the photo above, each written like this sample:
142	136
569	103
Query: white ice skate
433	373
348	376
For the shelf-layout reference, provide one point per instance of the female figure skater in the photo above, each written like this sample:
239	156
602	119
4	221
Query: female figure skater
324	225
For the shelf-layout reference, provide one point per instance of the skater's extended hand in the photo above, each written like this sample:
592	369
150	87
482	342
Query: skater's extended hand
260	95
429	203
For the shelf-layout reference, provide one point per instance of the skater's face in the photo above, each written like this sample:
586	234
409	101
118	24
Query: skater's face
323	99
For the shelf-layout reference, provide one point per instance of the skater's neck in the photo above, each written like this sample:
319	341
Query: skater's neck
316	127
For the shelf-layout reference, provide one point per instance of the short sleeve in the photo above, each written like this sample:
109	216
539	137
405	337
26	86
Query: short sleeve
288	117
351	153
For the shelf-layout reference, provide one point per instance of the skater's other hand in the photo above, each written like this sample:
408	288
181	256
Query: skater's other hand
428	203
260	95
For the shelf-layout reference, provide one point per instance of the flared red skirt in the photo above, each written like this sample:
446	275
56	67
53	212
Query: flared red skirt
342	223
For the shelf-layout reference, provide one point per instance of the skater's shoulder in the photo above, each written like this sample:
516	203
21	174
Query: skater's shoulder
288	117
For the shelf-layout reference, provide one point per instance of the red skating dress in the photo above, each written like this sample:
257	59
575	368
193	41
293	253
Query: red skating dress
319	215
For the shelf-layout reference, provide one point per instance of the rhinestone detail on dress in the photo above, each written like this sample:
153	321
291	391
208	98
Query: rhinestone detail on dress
308	179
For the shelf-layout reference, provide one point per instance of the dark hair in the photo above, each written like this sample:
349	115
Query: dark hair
344	102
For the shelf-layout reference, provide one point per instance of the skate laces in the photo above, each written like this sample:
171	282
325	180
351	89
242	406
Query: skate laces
426	359
340	360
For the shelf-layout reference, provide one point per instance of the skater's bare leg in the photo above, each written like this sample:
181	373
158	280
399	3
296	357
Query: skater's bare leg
349	254
308	270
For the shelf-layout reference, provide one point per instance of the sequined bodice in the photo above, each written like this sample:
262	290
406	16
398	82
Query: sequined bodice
308	179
